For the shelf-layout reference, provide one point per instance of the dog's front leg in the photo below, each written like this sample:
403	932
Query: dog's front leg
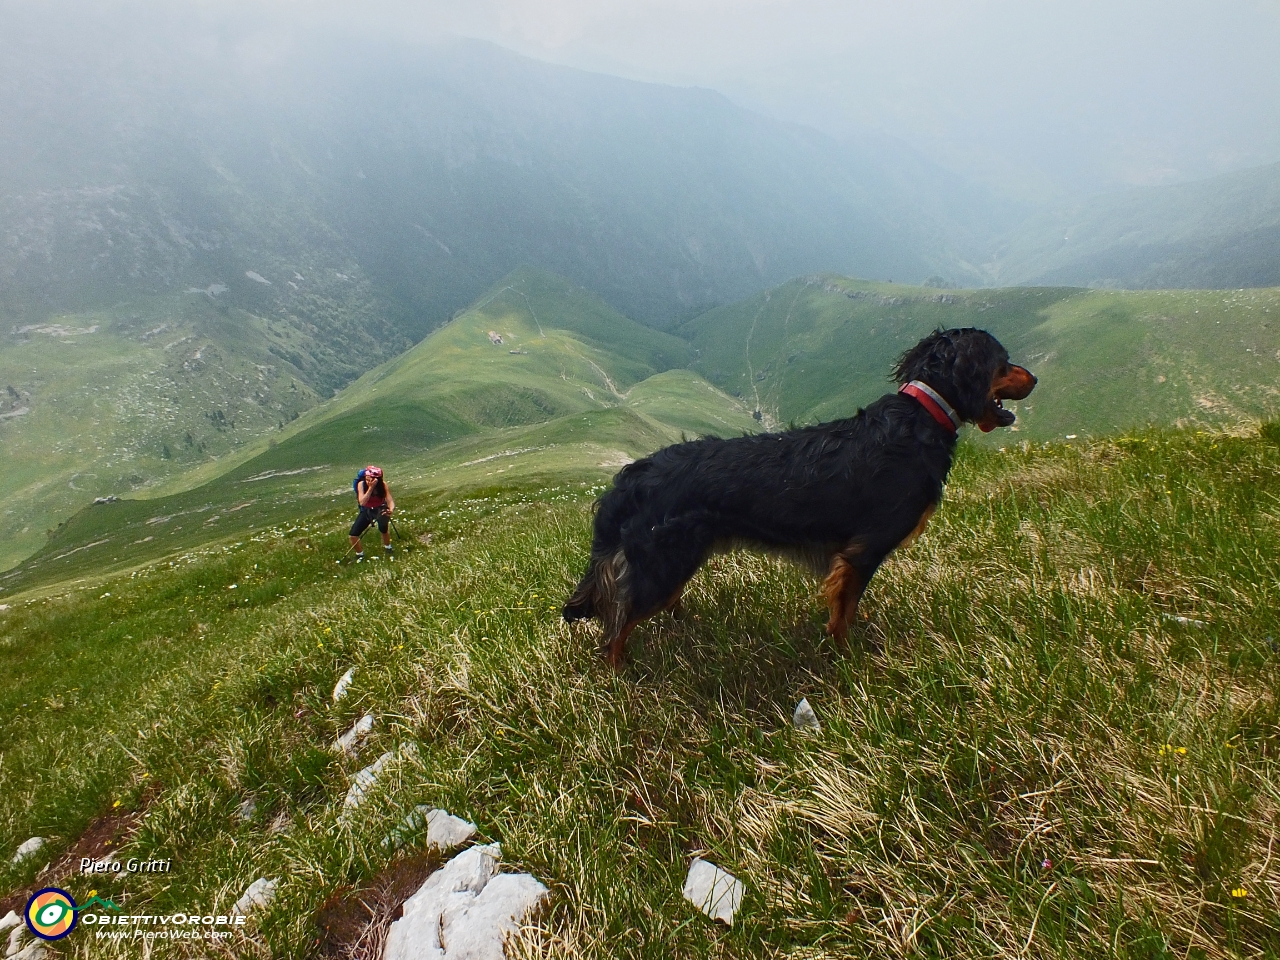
614	649
843	589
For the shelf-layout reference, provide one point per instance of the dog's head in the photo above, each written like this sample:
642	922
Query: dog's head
972	371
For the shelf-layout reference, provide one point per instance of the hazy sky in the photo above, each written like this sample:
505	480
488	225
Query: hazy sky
1080	94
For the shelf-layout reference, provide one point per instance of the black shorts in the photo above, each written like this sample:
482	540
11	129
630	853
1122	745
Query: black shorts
369	516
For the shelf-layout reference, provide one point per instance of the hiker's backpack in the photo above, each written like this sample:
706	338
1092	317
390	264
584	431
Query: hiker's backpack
355	484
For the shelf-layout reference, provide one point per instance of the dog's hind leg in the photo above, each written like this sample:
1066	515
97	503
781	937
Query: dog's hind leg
673	605
843	589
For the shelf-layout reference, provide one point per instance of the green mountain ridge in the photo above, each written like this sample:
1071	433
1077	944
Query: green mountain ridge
541	381
120	400
821	346
538	366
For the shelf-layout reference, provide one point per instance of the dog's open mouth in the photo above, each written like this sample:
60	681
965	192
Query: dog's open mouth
995	415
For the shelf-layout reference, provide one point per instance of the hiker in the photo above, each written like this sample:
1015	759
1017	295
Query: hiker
376	506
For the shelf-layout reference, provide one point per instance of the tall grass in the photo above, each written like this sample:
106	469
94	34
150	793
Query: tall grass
1054	734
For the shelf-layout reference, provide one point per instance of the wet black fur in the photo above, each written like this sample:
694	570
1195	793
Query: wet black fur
811	493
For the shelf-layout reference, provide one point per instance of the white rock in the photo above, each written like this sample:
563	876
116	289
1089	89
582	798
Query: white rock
464	910
248	807
33	951
713	891
366	779
340	688
804	718
444	831
16	936
259	894
1185	621
349	742
27	848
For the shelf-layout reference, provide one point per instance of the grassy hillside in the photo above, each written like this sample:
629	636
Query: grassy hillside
1053	735
116	401
818	347
813	349
573	390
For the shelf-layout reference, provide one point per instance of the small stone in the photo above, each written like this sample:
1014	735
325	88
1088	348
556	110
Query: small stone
444	831
247	809
465	910
33	951
10	919
280	824
804	718
28	848
713	891
364	781
349	742
340	688
259	894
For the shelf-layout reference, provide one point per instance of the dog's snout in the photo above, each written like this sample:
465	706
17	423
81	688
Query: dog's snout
1018	384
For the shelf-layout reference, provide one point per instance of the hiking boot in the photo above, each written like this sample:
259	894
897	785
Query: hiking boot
359	558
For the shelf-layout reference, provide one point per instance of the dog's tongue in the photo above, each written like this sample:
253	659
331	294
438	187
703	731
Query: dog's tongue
986	427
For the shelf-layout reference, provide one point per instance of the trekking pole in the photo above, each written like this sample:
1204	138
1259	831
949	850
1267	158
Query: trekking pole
350	548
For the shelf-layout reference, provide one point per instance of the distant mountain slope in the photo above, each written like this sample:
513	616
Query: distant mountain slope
1218	233
426	172
110	402
535	347
819	347
538	378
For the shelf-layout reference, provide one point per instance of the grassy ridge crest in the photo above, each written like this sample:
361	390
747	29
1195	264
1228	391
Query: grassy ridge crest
1054	734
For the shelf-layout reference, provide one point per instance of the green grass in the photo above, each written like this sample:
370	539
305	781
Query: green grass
574	390
1024	752
817	348
814	349
121	400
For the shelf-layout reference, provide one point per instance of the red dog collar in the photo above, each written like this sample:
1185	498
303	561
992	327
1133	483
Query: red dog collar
933	402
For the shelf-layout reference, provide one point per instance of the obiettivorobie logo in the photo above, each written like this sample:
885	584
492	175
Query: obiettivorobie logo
52	913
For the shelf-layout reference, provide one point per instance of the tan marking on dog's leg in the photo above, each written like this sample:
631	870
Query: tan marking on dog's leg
673	605
843	589
616	648
919	529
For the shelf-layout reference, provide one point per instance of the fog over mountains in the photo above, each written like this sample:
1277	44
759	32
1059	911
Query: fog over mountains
325	178
427	173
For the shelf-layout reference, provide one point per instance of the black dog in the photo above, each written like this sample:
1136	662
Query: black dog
839	496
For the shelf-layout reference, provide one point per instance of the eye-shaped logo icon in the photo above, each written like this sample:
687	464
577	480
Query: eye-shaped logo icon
51	913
